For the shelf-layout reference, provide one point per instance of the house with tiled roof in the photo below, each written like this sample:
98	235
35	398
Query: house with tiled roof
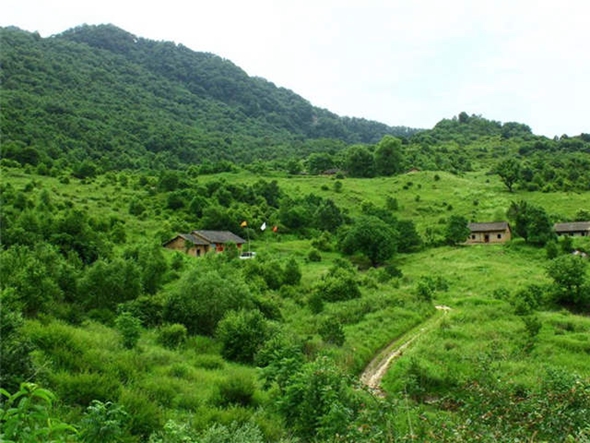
574	229
199	243
490	232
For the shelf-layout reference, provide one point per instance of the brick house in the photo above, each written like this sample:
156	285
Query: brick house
492	232
199	243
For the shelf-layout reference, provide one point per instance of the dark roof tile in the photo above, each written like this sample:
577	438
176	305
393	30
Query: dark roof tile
488	227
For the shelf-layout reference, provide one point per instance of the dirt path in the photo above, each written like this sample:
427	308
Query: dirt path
376	369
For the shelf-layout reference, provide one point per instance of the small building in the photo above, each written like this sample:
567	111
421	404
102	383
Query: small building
574	229
199	243
492	232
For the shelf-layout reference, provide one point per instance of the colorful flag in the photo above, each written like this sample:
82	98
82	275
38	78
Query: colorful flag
243	224
275	228
263	227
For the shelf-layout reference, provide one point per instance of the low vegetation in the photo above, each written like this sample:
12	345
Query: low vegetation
113	324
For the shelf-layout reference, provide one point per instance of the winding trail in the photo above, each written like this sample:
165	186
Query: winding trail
376	369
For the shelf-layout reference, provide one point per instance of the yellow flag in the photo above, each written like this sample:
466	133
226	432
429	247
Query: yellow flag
244	224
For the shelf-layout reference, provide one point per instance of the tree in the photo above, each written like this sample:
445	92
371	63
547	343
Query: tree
151	263
509	172
105	284
292	274
28	415
388	156
193	305
409	239
358	161
294	166
457	230
569	275
328	216
319	162
531	223
373	237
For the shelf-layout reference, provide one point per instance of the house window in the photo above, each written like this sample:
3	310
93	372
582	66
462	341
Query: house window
499	235
473	237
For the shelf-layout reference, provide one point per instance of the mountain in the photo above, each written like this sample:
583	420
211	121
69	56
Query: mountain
102	94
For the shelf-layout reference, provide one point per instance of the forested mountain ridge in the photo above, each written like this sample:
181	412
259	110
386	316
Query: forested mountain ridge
103	94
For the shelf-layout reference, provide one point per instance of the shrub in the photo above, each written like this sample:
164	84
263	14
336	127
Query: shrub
242	334
193	305
234	433
315	301
292	274
172	336
103	422
317	402
86	386
209	361
237	389
15	348
551	250
323	242
145	416
424	290
147	308
314	255
331	331
339	285
26	416
130	329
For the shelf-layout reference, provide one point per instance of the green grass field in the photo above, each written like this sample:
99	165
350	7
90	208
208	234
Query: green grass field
482	336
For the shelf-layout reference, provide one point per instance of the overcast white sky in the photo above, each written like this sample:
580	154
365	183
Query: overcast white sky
401	62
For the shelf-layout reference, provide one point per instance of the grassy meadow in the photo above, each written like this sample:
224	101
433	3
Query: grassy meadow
482	339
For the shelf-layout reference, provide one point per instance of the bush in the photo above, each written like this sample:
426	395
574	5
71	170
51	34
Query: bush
148	309
193	304
331	331
314	256
172	336
234	433
84	387
145	416
209	361
15	348
130	329
323	242
317	402
103	422
237	389
26	416
292	274
339	285
242	334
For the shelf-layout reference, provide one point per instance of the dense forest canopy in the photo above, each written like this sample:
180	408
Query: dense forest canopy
101	93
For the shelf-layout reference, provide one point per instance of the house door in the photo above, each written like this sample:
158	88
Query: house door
486	238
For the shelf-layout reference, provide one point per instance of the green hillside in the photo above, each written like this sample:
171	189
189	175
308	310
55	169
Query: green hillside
101	93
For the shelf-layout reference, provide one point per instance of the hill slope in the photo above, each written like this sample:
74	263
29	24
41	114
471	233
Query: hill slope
103	93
